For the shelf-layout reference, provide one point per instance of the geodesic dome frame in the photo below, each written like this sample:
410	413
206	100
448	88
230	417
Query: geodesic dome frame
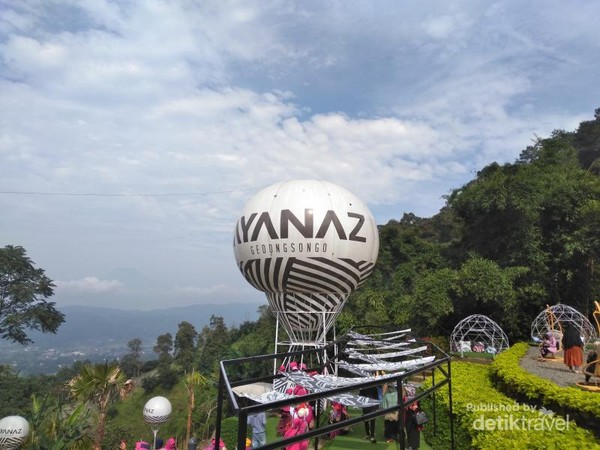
554	318
478	333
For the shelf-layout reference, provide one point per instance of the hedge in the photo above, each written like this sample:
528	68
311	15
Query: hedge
510	377
482	415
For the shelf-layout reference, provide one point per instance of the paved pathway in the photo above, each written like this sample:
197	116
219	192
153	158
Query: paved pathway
554	370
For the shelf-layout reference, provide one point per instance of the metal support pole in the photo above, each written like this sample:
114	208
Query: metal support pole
433	402
276	344
221	393
242	427
450	406
401	415
317	423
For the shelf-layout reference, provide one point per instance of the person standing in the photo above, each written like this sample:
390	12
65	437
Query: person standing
390	420
373	393
258	423
412	427
573	348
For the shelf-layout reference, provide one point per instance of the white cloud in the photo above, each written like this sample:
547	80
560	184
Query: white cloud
89	284
210	292
397	103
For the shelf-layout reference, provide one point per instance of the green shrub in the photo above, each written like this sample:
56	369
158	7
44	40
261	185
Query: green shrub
440	341
475	401
519	383
229	430
149	383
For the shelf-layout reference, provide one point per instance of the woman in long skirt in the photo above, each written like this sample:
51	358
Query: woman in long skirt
573	347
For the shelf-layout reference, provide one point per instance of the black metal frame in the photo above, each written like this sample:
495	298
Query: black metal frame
243	410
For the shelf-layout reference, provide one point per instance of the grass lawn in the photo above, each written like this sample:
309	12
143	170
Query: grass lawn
351	441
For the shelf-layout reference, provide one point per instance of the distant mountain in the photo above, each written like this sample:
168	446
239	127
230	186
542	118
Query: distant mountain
93	325
96	332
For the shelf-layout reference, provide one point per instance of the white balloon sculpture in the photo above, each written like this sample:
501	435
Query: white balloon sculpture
157	411
307	244
13	432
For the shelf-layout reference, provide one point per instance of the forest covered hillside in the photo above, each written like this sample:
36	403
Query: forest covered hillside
515	238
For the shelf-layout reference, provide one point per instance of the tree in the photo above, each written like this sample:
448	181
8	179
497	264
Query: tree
537	214
164	347
23	293
100	385
167	376
213	344
14	392
131	363
368	308
192	381
431	301
185	345
135	347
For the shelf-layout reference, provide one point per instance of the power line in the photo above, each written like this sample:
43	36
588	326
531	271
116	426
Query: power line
92	194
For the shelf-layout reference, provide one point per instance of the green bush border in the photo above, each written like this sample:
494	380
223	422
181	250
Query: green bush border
511	378
471	388
229	431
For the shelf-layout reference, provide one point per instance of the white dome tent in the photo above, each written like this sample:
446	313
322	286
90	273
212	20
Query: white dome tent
554	318
478	333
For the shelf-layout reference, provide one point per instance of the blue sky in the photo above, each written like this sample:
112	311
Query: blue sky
165	118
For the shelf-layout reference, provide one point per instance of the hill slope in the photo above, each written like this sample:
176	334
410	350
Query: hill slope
97	333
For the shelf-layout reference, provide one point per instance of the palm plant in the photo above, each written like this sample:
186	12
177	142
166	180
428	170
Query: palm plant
192	380
56	426
100	385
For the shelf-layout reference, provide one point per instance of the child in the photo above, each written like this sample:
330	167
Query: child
549	345
338	413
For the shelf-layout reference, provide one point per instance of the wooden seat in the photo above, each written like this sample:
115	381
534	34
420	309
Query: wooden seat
592	386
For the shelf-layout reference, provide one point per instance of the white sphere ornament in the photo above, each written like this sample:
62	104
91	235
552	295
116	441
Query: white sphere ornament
157	410
13	432
307	244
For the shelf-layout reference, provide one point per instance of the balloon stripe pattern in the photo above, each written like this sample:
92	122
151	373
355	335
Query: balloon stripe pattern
10	443
314	290
306	275
13	432
156	420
